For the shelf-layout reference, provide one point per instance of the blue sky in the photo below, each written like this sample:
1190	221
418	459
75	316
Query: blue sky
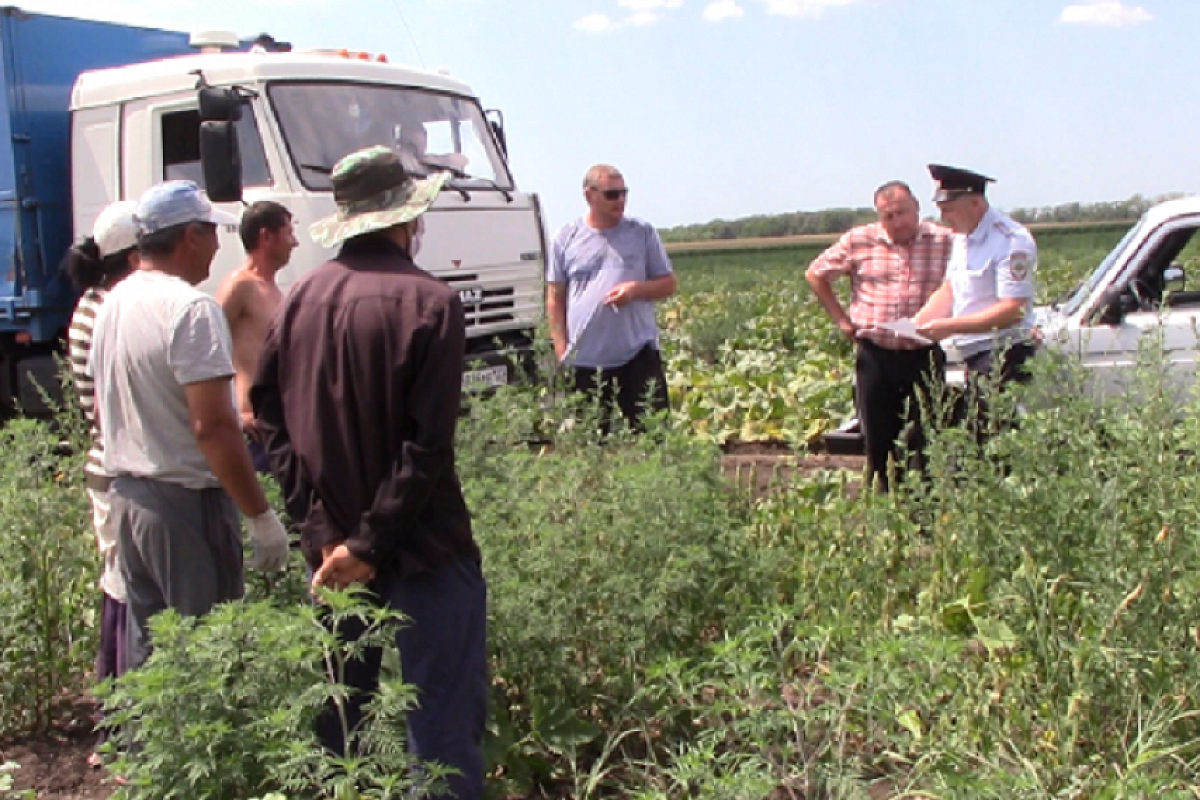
725	108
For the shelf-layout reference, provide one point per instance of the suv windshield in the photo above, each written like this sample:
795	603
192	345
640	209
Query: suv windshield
323	121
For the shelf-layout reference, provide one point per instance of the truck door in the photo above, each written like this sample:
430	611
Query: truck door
1153	318
162	142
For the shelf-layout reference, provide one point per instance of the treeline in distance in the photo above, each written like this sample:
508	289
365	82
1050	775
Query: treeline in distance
837	220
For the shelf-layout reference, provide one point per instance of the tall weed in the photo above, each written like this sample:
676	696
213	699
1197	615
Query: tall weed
1023	623
225	708
603	555
48	596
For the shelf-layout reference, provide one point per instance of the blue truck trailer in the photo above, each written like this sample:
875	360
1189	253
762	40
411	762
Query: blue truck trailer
41	57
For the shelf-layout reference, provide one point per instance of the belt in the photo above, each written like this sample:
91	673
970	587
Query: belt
97	483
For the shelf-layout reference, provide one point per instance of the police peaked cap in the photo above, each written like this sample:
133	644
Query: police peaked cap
953	182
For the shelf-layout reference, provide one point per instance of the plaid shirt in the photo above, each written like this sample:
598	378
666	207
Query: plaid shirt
887	281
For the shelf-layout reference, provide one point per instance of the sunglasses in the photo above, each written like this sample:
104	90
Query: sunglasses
612	194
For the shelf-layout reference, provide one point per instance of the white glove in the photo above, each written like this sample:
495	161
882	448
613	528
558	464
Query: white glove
270	541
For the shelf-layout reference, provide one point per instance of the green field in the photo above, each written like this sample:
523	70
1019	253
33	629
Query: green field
1023	625
1065	253
751	355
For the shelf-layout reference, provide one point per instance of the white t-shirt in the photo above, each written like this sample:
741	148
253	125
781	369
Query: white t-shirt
155	334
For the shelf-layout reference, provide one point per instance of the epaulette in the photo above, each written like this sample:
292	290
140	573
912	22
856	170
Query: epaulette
1007	227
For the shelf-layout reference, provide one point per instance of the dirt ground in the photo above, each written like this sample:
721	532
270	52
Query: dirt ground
765	467
55	765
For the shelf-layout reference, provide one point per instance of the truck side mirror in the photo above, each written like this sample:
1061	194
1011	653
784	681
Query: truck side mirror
219	105
220	159
1175	278
220	162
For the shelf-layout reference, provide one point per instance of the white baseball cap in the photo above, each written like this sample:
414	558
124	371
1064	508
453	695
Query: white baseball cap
116	228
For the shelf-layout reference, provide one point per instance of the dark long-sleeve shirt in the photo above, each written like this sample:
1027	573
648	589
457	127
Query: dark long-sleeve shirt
357	397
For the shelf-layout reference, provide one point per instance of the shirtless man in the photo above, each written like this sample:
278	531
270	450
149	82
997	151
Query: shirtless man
249	297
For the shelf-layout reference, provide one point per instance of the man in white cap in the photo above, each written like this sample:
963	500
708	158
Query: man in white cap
357	398
162	362
95	265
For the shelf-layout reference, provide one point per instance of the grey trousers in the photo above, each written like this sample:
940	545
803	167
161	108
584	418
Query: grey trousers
180	548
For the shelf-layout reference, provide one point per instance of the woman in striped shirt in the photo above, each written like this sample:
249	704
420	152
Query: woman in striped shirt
95	265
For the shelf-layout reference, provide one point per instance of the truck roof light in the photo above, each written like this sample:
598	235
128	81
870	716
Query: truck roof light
359	55
381	58
214	41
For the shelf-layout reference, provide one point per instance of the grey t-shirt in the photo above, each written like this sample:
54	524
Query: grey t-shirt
591	262
155	334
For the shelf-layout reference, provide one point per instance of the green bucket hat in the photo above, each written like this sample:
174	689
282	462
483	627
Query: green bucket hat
373	191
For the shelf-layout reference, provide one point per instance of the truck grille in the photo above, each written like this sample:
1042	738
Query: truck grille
482	306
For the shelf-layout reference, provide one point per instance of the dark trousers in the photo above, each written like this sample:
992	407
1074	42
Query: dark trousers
258	456
886	394
1012	364
981	369
637	387
110	655
443	654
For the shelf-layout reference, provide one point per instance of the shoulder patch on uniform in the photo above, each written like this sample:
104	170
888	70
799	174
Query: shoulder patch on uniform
1019	265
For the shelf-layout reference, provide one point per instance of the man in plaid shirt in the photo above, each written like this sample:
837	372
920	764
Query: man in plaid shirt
894	265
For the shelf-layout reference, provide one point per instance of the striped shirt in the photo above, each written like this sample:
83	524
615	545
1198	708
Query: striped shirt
888	281
79	346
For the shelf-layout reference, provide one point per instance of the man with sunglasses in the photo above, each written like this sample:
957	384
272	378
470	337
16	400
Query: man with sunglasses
605	274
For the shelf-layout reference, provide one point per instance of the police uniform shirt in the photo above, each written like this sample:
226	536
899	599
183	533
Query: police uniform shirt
996	261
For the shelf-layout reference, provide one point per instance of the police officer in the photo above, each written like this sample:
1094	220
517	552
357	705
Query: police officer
986	301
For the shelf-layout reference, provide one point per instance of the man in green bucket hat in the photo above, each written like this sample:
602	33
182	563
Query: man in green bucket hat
357	397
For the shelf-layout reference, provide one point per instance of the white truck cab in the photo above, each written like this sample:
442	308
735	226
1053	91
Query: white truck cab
133	126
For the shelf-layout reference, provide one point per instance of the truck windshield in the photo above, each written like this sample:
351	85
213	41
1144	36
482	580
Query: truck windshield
323	121
1085	289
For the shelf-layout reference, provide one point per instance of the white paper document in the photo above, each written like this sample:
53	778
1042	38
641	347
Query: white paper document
905	328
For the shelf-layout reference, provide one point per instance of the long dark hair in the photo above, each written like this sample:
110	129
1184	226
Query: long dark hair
87	269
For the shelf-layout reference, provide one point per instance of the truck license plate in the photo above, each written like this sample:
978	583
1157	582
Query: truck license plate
476	379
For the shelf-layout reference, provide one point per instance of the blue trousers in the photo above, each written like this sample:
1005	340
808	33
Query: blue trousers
443	654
